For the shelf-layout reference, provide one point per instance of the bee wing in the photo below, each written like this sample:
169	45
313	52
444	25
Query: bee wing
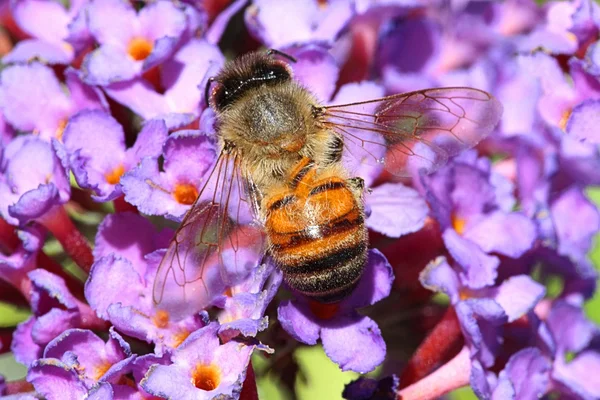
216	245
419	129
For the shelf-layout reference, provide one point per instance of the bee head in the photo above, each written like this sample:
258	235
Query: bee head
243	74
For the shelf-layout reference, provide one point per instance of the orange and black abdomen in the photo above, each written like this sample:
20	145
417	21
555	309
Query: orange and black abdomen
317	234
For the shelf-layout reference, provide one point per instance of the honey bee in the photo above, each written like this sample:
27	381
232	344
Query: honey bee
280	186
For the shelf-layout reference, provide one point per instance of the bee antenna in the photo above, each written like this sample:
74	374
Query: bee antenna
207	88
282	54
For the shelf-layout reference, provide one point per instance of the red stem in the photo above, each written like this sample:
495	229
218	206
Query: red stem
122	206
437	347
9	241
75	244
6	335
450	376
249	390
12	295
20	386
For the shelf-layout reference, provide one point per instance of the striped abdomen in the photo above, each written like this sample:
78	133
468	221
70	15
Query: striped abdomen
317	234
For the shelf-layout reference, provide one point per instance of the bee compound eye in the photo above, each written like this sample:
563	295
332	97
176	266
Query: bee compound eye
219	95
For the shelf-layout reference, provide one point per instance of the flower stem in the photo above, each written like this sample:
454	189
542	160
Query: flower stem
435	349
121	205
12	295
9	241
6	335
450	376
20	386
75	244
249	390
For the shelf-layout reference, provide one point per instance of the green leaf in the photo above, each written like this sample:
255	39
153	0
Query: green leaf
11	315
323	379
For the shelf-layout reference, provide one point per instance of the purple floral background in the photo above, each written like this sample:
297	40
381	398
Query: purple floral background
477	275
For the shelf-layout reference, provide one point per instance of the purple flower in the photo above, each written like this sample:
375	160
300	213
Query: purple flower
351	340
576	335
14	267
372	389
77	360
560	93
32	99
29	190
283	23
567	27
582	120
183	78
474	219
57	34
95	143
188	156
525	376
201	368
55	310
576	222
481	311
131	265
244	311
130	42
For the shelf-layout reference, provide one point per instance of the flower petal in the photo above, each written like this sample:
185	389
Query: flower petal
31	98
479	269
583	122
509	234
518	295
528	371
374	285
296	319
354	343
109	64
396	210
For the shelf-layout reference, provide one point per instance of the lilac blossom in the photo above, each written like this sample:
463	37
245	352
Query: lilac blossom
188	156
29	190
132	266
33	100
77	361
306	22
57	34
243	311
474	218
201	368
130	42
183	77
482	311
488	231
55	310
95	143
351	340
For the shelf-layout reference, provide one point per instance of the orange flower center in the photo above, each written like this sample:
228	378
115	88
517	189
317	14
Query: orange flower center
100	370
139	48
564	119
60	129
323	311
179	337
161	319
459	224
113	177
206	377
185	193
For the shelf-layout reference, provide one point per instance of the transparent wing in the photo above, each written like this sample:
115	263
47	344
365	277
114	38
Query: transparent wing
417	130
216	246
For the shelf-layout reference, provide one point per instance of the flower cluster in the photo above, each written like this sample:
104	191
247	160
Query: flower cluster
477	273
